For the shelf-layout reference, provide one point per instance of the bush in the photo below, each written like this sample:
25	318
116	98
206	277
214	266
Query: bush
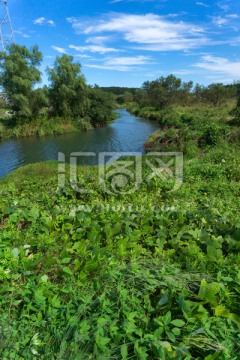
83	124
213	134
191	149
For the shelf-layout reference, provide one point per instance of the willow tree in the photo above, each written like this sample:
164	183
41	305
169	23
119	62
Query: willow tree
101	106
19	75
67	89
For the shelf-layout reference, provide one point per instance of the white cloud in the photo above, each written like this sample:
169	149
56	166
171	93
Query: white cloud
71	19
110	67
223	6
94	49
83	56
59	49
219	21
229	20
128	60
232	16
174	15
51	22
97	40
220	67
202	4
146	29
21	33
235	41
39	21
125	63
42	21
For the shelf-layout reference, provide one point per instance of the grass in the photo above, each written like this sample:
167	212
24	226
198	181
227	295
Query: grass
15	128
191	129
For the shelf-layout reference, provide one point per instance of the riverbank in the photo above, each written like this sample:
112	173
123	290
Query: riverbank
144	274
190	129
11	127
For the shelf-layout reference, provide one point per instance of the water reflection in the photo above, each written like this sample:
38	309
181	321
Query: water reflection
126	134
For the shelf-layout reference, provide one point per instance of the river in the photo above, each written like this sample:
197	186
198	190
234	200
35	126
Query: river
127	134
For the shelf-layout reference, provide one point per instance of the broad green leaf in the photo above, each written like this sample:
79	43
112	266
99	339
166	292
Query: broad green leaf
167	318
124	352
91	266
171	335
67	270
15	253
65	261
178	322
163	300
220	310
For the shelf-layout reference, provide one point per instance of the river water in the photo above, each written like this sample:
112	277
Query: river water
127	134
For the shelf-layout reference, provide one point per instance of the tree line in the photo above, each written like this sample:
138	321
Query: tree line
66	96
170	90
69	96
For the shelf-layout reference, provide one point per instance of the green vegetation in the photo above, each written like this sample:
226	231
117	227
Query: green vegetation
189	118
169	91
150	275
67	105
198	126
153	274
18	77
68	89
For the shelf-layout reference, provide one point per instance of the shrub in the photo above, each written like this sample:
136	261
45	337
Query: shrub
212	134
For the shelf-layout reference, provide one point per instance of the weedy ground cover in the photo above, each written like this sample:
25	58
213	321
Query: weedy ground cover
157	280
153	274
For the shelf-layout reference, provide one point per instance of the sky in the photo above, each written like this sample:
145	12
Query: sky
128	42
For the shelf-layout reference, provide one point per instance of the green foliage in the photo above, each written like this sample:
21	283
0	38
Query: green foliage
68	89
165	92
40	102
101	106
213	134
74	105
217	93
41	126
191	129
19	75
236	110
149	275
84	124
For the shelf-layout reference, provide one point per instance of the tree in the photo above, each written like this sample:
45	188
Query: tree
19	75
101	106
198	92
40	101
163	91
216	93
68	89
185	94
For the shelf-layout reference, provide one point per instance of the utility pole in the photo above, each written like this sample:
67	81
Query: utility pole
6	30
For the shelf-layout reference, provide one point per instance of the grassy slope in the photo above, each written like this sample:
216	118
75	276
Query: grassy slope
142	282
10	127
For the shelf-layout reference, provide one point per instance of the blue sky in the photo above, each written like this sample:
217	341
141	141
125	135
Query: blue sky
126	42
